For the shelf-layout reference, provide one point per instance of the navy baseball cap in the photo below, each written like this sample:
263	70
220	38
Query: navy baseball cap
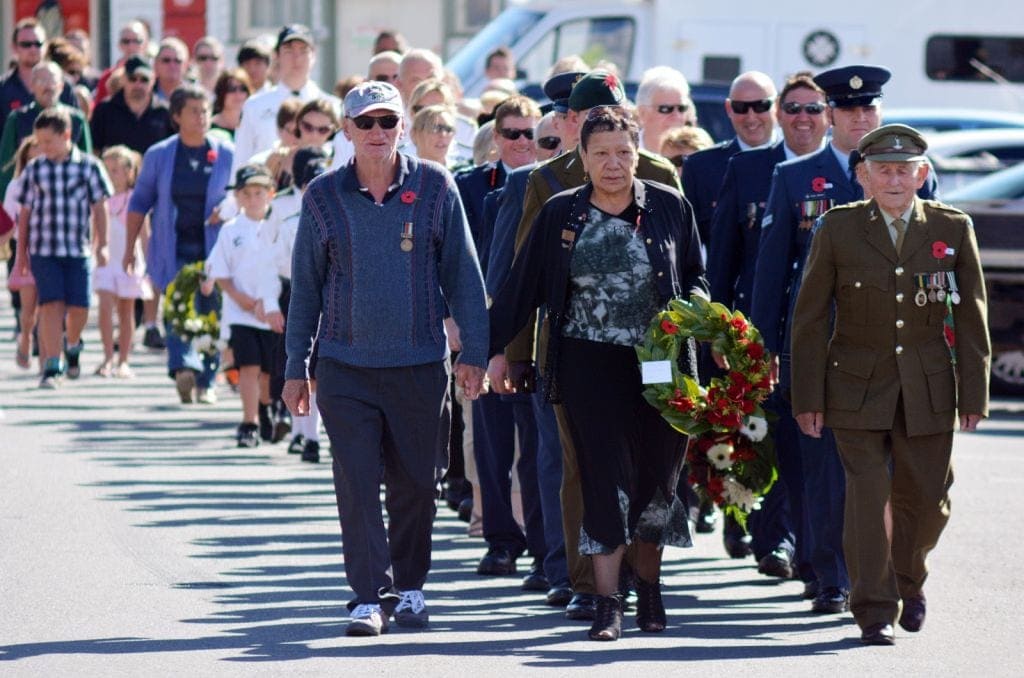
307	164
137	65
295	32
853	85
252	174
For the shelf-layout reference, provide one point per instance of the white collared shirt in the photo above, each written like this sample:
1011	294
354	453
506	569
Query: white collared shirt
243	255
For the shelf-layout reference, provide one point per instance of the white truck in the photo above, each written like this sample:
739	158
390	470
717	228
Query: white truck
941	53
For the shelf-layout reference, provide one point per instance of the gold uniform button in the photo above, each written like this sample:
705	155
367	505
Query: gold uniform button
899	350
899	324
899	298
649	241
661	274
899	270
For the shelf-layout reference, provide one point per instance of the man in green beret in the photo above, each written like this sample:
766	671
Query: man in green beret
909	352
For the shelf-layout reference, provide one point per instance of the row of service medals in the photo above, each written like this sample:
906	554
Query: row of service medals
810	210
936	287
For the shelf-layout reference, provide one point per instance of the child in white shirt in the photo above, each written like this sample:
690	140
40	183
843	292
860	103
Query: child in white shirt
243	266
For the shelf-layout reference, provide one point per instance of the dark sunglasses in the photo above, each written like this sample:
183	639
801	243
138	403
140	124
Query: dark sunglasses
206	57
549	143
793	108
384	77
131	41
513	134
230	89
759	106
666	109
677	160
309	128
29	44
365	122
138	78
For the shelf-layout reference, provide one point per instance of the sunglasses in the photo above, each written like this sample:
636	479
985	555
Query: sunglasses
170	60
206	57
666	109
131	41
138	78
366	122
29	44
677	160
514	134
319	129
384	77
549	143
759	106
793	108
442	129
231	89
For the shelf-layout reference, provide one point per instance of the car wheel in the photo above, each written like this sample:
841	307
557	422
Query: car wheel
1008	372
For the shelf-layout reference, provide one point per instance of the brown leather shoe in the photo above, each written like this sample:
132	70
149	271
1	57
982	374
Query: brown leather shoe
912	618
878	634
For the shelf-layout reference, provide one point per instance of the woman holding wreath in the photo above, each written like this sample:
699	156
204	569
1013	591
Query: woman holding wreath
604	259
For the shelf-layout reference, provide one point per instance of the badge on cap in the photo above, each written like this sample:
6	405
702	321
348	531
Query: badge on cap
856	82
897	145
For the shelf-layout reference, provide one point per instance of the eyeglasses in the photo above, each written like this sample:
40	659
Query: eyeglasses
138	78
231	89
514	134
366	122
29	44
206	57
549	143
677	160
170	60
793	108
319	129
441	128
131	41
666	109
758	106
384	77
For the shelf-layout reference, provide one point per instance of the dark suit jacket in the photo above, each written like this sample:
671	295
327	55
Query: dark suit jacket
884	346
508	214
736	225
473	185
702	179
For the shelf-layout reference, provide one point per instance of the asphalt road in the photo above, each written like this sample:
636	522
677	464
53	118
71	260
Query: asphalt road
135	539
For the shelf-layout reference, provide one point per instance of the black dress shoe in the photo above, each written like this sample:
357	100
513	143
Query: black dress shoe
559	596
466	510
912	617
707	518
498	562
776	564
831	600
810	590
737	547
535	579
581	606
878	634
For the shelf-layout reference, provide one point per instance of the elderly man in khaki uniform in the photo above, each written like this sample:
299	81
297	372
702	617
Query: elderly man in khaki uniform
909	349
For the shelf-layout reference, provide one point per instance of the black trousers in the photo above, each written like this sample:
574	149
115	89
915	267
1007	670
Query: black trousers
397	419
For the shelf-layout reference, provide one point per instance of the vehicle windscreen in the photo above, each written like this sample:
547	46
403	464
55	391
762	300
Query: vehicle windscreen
505	30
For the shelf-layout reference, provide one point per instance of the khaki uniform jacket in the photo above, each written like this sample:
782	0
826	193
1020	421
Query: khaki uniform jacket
568	171
883	344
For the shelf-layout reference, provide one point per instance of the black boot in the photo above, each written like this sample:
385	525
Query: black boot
607	619
650	611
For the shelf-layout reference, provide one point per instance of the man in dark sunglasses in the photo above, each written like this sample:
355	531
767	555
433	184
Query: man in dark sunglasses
133	117
27	41
662	102
382	254
780	544
133	39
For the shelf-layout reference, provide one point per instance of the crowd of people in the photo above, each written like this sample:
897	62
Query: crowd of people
456	287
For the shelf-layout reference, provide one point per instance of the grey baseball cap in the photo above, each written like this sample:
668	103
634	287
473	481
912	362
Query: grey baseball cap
373	95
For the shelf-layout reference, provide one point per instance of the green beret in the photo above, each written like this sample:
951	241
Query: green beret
596	88
893	143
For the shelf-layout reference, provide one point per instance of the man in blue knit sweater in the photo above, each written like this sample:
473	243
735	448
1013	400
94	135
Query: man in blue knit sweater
382	253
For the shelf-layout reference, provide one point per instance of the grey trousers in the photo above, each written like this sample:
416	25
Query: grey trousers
393	420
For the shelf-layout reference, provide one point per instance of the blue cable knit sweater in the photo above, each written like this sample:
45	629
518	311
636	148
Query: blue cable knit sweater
370	303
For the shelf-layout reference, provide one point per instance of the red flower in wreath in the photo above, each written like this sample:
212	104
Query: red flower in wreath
939	249
818	184
668	327
408	197
740	325
755	351
211	156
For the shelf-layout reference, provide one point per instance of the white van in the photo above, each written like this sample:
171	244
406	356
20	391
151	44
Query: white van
941	53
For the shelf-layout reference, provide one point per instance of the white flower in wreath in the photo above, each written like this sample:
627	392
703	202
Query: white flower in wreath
755	428
203	343
176	296
182	308
740	496
720	456
221	344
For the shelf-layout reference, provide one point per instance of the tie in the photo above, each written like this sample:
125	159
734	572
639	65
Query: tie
901	230
850	169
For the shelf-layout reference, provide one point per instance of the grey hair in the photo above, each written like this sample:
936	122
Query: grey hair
658	78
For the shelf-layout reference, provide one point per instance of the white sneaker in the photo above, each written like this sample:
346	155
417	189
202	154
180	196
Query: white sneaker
367	620
411	611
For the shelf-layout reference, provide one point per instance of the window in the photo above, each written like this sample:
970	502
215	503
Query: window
258	17
604	39
976	58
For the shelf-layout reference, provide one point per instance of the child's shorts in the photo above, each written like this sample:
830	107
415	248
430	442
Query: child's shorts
122	285
252	346
63	279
